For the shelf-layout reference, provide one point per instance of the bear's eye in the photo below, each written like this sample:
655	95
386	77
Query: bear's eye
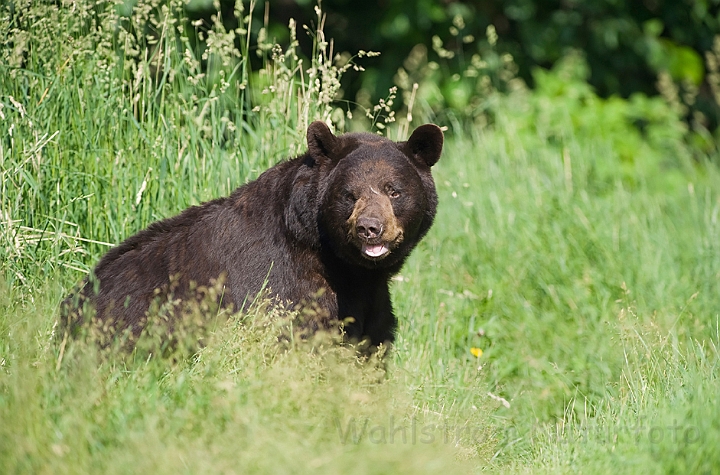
392	192
350	196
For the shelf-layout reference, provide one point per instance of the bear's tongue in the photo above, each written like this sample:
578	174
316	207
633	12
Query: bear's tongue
374	250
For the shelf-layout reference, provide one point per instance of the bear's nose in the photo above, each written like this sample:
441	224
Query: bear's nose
369	228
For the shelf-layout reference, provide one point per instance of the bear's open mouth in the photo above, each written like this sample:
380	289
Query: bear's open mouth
374	250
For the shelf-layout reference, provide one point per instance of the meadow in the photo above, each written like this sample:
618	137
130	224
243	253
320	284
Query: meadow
560	316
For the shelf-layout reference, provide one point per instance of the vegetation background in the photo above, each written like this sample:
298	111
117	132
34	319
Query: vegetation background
561	315
626	45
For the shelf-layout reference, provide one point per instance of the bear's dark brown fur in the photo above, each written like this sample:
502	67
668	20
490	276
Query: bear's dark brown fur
332	225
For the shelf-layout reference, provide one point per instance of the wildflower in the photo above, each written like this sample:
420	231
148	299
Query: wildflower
476	352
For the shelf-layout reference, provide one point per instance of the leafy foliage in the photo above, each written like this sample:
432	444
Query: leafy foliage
628	46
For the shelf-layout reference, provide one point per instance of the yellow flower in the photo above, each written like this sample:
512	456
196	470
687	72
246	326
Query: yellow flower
476	352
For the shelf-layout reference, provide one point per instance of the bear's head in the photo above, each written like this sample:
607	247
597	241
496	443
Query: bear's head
378	197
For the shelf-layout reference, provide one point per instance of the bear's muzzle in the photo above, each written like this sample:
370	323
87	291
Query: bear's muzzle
373	227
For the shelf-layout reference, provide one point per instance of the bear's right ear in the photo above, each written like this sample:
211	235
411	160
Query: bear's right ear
321	142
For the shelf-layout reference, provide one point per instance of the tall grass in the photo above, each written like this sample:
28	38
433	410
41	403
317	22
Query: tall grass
580	256
110	122
594	301
243	404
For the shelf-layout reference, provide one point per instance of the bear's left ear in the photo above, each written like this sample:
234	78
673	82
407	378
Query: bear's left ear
425	144
321	142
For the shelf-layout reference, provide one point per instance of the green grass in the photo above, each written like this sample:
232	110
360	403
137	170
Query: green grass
581	256
597	302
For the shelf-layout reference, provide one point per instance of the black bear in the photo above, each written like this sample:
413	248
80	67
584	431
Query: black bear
332	226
